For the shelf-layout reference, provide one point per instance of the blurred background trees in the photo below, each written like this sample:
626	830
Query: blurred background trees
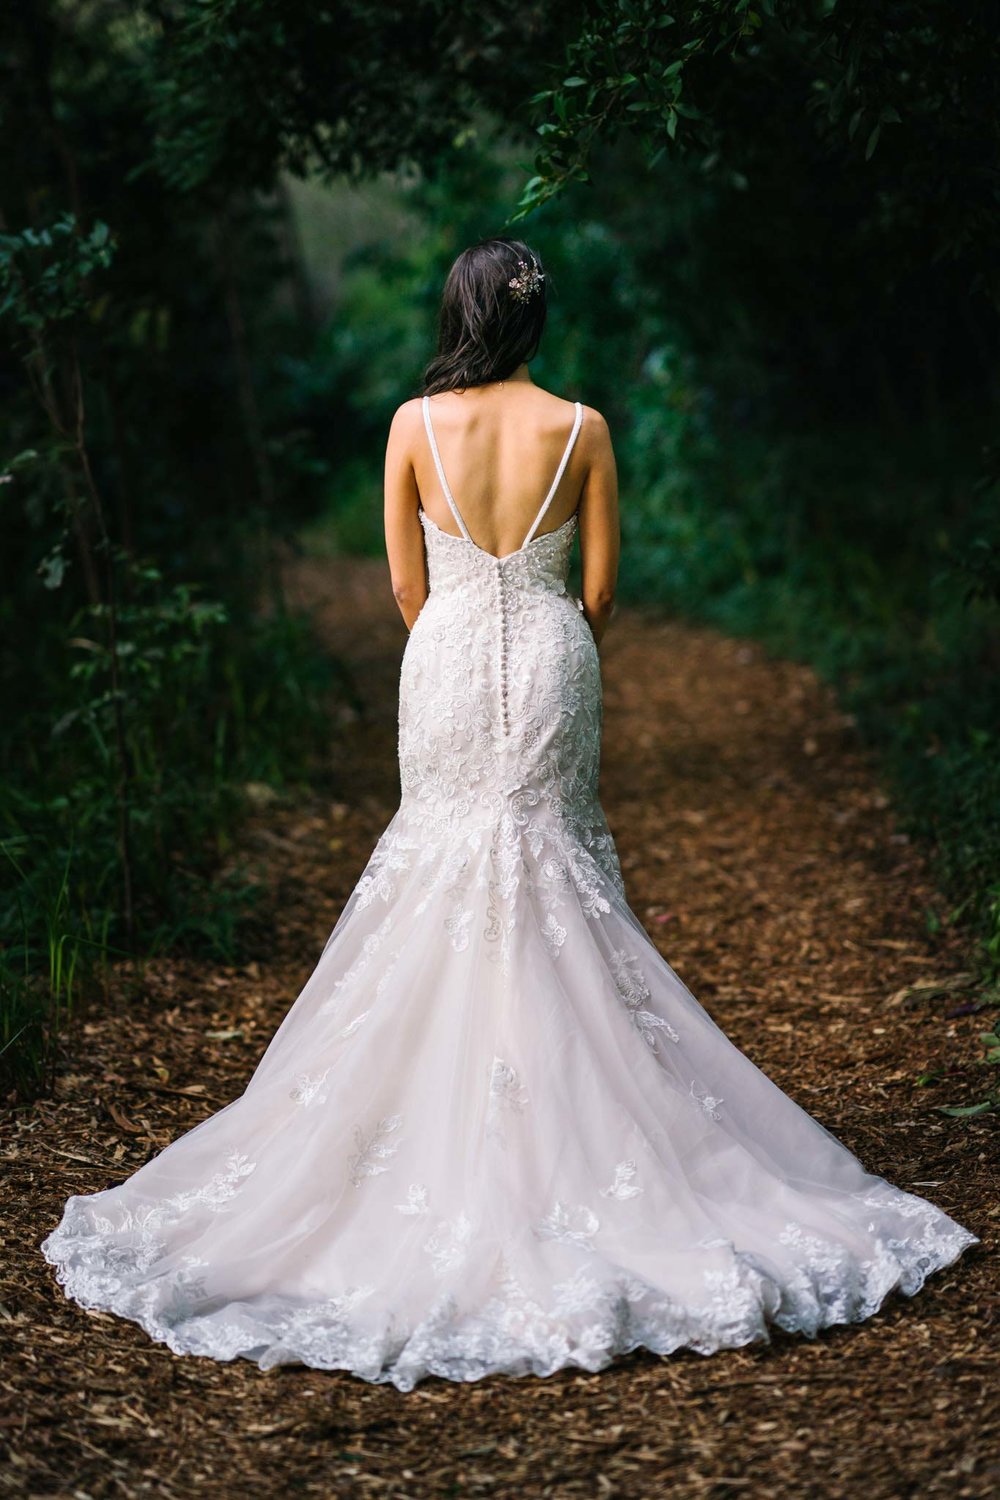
770	233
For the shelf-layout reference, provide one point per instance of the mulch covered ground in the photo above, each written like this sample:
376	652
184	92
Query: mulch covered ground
762	857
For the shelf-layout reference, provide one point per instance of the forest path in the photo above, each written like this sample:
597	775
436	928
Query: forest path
759	853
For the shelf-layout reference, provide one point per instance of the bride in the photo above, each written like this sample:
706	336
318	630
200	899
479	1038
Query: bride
495	1132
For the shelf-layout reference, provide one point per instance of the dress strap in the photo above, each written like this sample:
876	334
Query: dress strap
559	473
440	470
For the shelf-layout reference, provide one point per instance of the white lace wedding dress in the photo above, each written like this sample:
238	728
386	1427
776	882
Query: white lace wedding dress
495	1132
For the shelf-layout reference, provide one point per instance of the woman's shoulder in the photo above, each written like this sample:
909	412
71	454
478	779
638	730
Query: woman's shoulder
406	419
555	409
562	410
595	435
565	406
408	411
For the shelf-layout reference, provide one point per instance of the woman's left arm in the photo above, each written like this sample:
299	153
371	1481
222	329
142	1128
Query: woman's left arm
404	538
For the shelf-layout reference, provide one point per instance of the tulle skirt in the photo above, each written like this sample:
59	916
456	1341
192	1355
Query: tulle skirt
495	1134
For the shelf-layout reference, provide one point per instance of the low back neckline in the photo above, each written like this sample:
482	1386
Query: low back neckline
533	529
540	536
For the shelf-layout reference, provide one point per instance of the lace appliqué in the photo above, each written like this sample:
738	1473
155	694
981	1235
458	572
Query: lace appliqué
584	1320
709	1103
448	1246
499	747
348	980
507	1096
574	1225
634	990
309	1090
624	1184
216	1193
353	1026
553	934
374	1149
457	927
416	1203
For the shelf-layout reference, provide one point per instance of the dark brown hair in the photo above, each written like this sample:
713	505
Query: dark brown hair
484	330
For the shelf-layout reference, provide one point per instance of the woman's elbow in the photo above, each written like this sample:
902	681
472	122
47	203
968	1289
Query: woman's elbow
410	599
405	592
600	600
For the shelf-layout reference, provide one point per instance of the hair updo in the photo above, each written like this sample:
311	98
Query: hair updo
492	315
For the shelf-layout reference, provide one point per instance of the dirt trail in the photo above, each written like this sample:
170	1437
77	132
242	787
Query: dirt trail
760	854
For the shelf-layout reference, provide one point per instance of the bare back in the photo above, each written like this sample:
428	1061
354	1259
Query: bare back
500	448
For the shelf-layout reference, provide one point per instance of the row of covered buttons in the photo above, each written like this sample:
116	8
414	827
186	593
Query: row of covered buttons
502	612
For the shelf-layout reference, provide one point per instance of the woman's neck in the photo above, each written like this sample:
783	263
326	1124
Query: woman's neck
520	376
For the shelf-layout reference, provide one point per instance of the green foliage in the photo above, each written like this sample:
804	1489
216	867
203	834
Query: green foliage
899	98
789	470
831	549
39	966
212	704
148	667
46	274
770	229
370	355
986	998
352	88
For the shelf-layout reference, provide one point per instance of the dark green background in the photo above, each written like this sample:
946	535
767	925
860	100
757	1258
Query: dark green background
770	237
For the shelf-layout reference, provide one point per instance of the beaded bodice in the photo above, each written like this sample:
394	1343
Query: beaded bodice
500	687
541	563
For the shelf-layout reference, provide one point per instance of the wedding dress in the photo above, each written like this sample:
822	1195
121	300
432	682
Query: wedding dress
496	1132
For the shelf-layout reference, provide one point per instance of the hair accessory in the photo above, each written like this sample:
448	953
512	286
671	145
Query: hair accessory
527	281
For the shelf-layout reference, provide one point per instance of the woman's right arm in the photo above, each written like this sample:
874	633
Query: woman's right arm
600	536
404	539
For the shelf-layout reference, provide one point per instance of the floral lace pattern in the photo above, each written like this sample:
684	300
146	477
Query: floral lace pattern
635	993
575	1225
590	1316
416	1201
507	1096
216	1193
373	1149
309	1090
448	1246
708	1102
499	734
624	1184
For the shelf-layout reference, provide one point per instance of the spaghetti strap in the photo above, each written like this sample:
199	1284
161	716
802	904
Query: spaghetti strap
451	499
559	473
440	470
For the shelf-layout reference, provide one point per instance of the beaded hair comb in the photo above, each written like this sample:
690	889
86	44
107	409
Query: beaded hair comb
526	282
